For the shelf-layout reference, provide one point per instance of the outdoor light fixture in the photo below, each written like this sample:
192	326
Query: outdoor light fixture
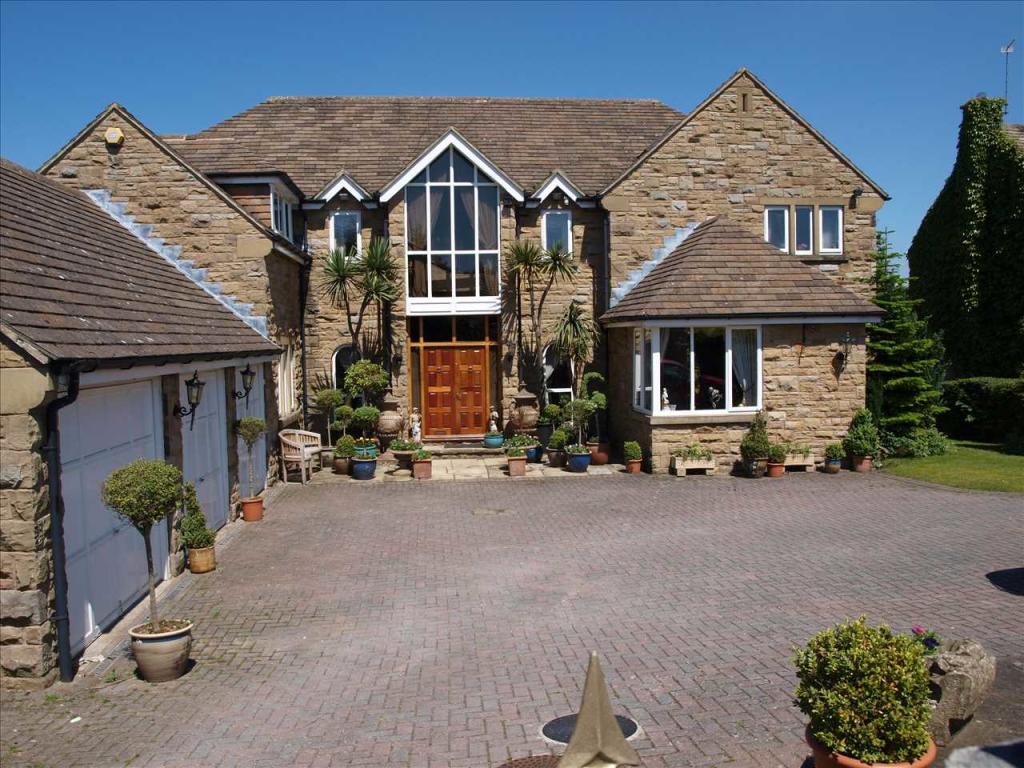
194	394
857	192
248	379
843	355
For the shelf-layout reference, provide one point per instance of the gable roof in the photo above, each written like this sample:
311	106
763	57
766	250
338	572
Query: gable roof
723	271
373	139
77	285
740	74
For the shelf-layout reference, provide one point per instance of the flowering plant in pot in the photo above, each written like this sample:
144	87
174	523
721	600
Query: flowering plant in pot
577	457
777	459
865	692
834	454
532	450
145	492
634	456
862	441
403	451
556	448
422	465
249	429
755	446
344	450
516	456
197	536
549	417
365	447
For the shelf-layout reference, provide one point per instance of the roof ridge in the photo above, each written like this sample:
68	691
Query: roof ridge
453	99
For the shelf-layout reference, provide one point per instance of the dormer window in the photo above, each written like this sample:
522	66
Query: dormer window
282	208
556	231
346	231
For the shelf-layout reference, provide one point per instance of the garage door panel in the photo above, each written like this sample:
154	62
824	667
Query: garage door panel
204	443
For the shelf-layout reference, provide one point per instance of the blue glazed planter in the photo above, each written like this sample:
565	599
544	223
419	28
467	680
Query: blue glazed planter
364	469
366	451
534	453
493	441
578	462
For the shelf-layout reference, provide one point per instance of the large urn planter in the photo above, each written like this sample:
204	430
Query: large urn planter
525	414
252	510
404	459
825	758
364	468
600	452
162	656
861	463
202	559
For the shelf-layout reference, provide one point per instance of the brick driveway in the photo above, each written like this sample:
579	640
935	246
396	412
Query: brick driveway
419	624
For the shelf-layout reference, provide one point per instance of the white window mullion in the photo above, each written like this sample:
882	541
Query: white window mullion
430	235
656	371
693	361
728	369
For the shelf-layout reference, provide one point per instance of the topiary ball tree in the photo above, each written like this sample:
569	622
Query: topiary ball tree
144	493
327	402
367	380
865	691
249	429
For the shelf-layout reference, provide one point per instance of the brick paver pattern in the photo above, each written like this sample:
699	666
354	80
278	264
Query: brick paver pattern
422	624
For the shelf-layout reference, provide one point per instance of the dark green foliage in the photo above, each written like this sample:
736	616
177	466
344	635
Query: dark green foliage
399	444
558	439
249	429
520	441
345	448
515	452
755	444
551	414
422	455
632	451
966	256
365	418
194	531
984	408
576	449
366	379
904	360
865	691
777	453
862	439
834	452
143	492
925	441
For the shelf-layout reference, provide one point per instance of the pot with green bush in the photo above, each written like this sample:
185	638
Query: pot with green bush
494	440
834	454
693	458
145	493
365	418
777	459
516	461
865	692
550	416
344	450
422	465
577	457
532	450
755	446
861	442
196	535
633	455
556	448
364	448
249	429
364	467
403	451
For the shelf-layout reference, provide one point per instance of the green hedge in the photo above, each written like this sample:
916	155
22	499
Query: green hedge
983	408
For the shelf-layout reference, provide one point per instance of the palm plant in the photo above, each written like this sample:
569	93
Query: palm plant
343	275
576	335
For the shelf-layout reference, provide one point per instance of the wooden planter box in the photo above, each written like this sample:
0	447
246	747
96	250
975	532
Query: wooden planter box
682	467
806	463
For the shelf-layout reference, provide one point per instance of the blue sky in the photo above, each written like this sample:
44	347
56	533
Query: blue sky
882	81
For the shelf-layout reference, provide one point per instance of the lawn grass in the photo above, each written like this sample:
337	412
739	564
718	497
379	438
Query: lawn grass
975	466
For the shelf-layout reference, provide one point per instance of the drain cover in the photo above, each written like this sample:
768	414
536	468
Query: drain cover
560	729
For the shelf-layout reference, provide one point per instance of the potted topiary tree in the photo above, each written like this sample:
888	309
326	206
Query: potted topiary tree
344	450
834	454
249	429
634	456
755	446
865	691
196	535
366	380
327	403
600	451
549	417
861	442
342	418
422	465
365	418
777	459
145	493
556	448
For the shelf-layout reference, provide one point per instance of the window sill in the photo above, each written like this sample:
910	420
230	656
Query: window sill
823	258
664	419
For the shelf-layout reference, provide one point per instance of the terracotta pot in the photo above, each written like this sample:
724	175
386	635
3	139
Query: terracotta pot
341	465
556	458
860	463
599	452
252	510
832	466
755	467
633	466
776	470
823	758
202	560
516	466
423	470
161	657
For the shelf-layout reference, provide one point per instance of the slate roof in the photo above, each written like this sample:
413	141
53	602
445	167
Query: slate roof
722	271
77	285
314	139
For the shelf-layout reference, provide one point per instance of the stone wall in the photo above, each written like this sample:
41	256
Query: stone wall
26	635
254	198
805	400
729	162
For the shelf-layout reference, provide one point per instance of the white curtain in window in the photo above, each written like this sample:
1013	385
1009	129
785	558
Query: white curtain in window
744	356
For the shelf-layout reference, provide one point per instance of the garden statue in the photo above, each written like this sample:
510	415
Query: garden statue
493	425
665	402
414	425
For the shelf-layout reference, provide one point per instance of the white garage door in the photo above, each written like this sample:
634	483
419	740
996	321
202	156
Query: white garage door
106	428
204	445
252	406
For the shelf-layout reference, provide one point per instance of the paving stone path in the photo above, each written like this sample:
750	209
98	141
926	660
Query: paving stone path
440	624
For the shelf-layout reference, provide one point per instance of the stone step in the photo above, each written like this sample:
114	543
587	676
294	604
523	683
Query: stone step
460	450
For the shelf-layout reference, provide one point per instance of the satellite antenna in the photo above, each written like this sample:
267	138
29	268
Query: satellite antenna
1006	50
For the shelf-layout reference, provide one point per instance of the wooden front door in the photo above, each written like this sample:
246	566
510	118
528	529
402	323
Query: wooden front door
454	390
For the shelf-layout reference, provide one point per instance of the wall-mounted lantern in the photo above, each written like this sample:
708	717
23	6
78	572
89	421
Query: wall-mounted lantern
194	395
843	355
248	379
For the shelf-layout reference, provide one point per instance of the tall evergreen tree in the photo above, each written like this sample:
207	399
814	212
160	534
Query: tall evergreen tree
904	360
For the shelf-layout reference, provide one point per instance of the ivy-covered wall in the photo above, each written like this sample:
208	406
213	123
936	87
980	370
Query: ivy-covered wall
967	259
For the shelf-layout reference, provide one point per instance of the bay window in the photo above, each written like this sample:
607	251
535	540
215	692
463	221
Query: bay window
696	369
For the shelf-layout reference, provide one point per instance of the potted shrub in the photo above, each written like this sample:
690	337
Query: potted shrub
249	429
366	380
577	457
549	417
532	450
493	440
600	450
556	448
145	493
344	450
365	447
422	465
693	457
364	467
516	461
342	418
755	446
196	535
403	451
834	454
865	692
777	459
327	403
365	418
634	456
861	442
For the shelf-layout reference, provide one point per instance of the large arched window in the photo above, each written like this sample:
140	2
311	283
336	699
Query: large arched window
344	356
557	376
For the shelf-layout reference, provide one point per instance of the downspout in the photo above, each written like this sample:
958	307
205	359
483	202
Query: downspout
606	300
304	273
53	477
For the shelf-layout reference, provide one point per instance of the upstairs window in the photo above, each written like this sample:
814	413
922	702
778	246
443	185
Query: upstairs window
556	231
346	231
776	226
805	230
282	208
831	228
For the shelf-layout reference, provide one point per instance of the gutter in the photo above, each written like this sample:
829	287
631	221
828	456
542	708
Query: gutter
304	274
60	577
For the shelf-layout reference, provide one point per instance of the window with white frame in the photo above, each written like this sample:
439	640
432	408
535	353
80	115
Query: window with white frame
557	376
776	226
346	231
451	231
830	228
696	369
556	230
287	401
805	230
282	208
804	235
